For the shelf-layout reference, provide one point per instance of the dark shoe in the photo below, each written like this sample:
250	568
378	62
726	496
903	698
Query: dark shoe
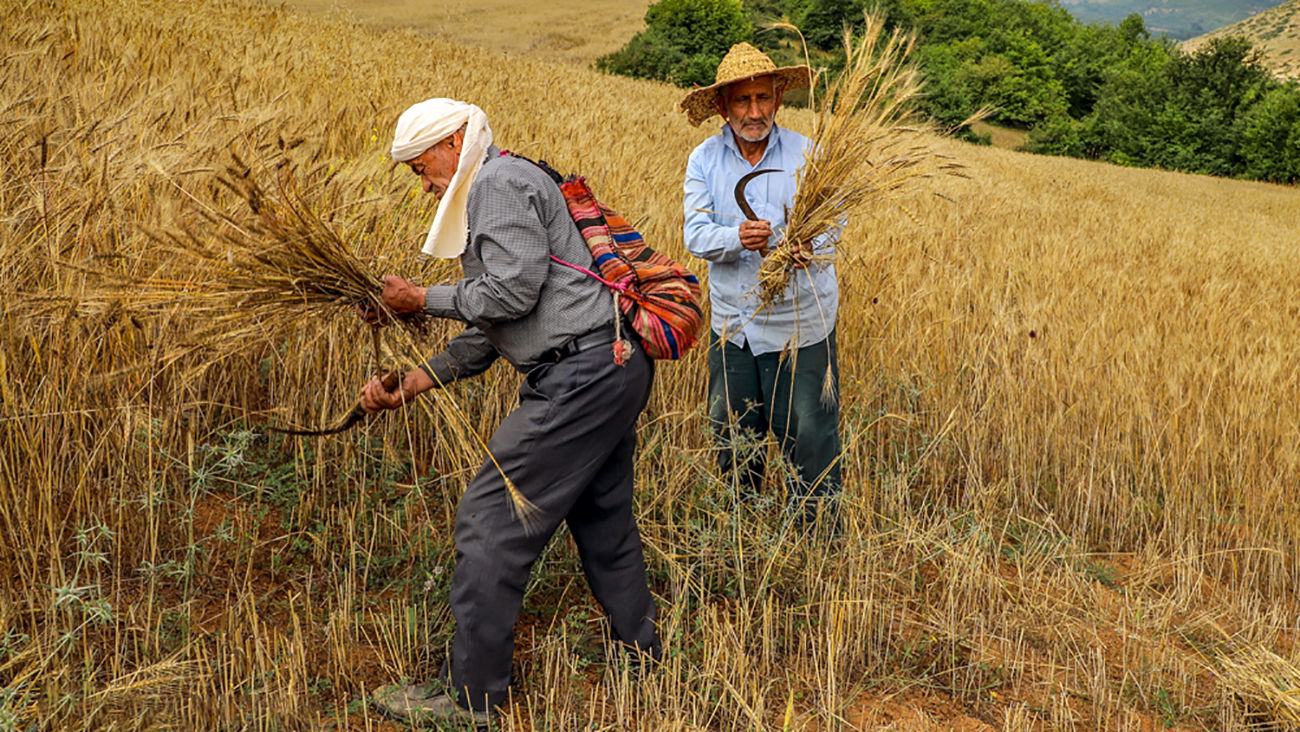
426	704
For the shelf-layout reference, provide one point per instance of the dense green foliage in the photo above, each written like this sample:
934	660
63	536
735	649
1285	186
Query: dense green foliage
684	41
1110	92
1216	111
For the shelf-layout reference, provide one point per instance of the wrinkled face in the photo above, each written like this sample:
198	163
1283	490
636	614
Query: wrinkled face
750	107
438	164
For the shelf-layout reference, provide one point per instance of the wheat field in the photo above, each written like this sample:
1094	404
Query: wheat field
574	33
1069	393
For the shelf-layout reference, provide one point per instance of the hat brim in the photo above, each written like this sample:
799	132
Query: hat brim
698	105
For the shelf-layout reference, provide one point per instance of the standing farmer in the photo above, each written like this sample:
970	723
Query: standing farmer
567	446
775	369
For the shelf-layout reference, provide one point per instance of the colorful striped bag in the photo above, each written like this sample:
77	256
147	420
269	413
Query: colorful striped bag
659	297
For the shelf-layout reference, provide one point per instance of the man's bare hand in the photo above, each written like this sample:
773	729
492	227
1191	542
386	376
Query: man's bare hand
375	398
802	255
754	235
401	296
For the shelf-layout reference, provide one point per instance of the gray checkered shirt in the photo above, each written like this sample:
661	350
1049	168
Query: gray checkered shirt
519	304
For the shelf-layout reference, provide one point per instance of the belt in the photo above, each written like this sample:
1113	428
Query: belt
599	337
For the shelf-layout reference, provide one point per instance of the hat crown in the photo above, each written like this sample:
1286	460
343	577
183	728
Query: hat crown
743	61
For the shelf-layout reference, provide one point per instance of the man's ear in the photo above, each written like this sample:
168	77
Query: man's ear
457	140
720	104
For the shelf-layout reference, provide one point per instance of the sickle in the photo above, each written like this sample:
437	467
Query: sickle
353	418
740	191
744	204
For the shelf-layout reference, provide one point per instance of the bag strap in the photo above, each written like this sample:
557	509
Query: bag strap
546	168
620	350
621	285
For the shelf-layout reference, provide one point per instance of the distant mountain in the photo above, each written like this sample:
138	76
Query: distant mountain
1180	19
1275	32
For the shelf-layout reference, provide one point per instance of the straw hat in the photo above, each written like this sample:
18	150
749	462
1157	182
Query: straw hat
742	62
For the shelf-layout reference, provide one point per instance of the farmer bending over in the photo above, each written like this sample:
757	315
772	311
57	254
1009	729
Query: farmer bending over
774	369
567	446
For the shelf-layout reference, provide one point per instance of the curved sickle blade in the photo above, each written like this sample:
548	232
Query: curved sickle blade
740	191
352	419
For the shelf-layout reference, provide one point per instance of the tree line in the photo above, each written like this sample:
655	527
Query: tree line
1098	91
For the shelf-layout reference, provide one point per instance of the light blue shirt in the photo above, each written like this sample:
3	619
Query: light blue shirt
806	313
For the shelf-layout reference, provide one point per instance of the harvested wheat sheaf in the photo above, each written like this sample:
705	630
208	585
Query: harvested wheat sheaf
271	257
1266	682
273	254
867	149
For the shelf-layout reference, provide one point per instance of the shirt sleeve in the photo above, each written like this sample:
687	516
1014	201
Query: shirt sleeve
704	238
512	243
468	354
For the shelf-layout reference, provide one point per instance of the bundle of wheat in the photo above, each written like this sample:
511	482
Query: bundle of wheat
277	254
274	259
1267	683
866	148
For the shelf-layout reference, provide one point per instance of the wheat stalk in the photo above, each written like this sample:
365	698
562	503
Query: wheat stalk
270	260
866	147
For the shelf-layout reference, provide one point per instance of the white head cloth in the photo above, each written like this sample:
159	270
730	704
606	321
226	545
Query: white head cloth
418	129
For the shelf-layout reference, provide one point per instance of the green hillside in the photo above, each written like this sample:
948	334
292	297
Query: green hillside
1179	19
1275	32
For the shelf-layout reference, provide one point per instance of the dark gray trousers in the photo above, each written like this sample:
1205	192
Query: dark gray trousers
750	394
568	448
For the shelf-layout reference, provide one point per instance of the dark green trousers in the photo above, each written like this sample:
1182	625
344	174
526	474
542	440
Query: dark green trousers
749	395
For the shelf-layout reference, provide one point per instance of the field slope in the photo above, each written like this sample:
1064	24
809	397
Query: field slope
1070	394
575	33
1275	32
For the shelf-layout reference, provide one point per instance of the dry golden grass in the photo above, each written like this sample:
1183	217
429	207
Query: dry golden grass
1275	32
1006	138
1069	396
573	33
